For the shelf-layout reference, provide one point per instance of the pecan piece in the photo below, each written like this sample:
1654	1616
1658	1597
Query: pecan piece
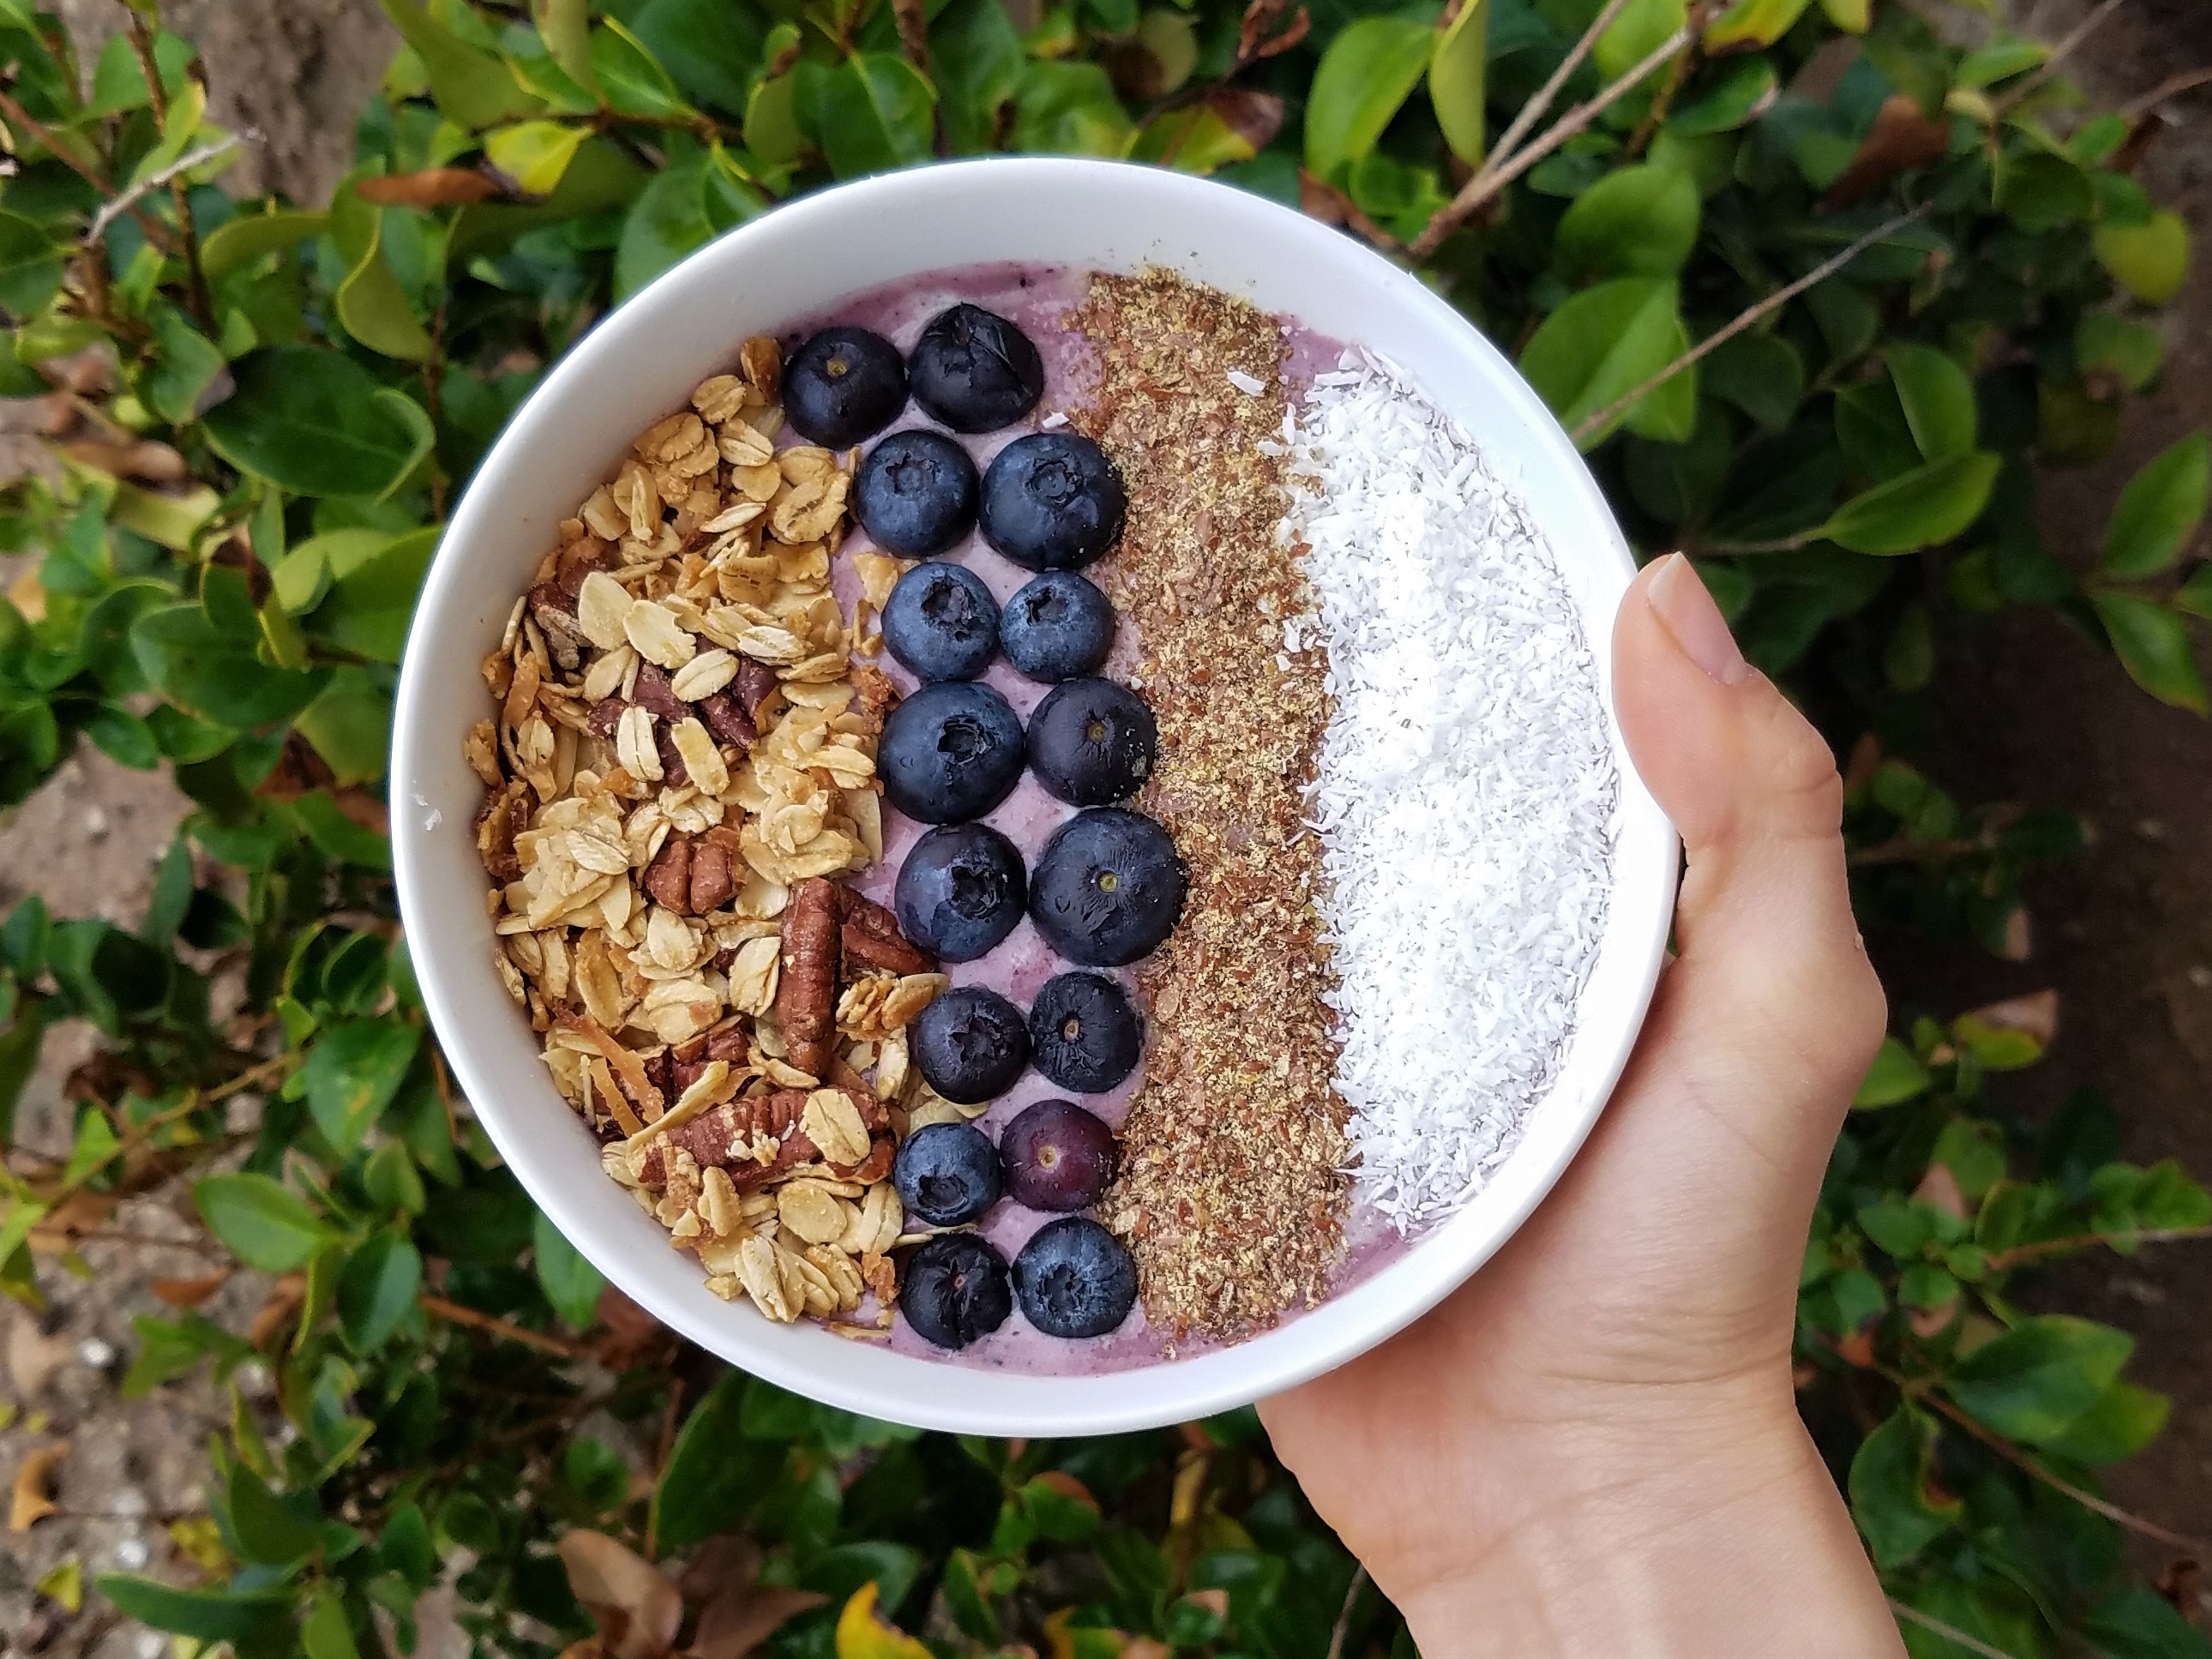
872	939
668	878
606	714
656	694
714	877
505	816
807	987
723	1137
729	723
754	681
555	613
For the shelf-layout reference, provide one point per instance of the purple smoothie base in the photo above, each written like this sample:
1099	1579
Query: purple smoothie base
1037	299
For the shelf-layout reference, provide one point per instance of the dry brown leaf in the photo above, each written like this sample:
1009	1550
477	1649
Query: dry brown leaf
1940	1188
34	1357
432	187
739	1620
188	1292
637	1610
285	1297
34	1483
2036	1014
1900	139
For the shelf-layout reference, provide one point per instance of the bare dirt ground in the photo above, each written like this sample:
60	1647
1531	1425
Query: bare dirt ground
2028	711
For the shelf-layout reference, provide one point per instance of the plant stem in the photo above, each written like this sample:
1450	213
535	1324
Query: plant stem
25	122
2001	1260
170	174
434	377
2065	49
456	1314
2020	1460
1905	850
1534	110
1678	77
1344	1613
142	42
1480	188
1774	301
2173	86
1948	1633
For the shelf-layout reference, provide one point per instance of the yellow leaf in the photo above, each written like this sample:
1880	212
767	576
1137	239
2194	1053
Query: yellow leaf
1852	17
171	521
1752	23
63	1582
864	1633
34	1480
535	153
200	1541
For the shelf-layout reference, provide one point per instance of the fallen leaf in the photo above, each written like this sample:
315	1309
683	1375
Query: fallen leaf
188	1292
1900	139
1940	1188
432	187
2036	1014
34	1357
736	1623
60	1229
34	1484
724	1563
63	1583
637	1610
285	1297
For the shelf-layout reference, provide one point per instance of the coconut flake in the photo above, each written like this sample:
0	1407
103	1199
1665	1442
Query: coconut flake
1250	385
1465	788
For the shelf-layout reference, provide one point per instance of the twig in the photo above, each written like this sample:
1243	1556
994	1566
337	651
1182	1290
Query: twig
142	42
1344	1613
24	121
1532	110
1906	850
1774	301
1999	1260
147	1240
2021	1461
1948	1633
433	376
250	1078
454	1312
2172	87
2059	53
1480	188
1678	77
182	165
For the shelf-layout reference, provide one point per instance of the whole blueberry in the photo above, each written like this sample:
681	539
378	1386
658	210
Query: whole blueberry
1074	1279
915	493
942	623
1058	626
951	752
1084	1033
1107	888
1092	742
971	1044
961	890
975	371
843	384
954	1290
1058	1157
1053	501
947	1173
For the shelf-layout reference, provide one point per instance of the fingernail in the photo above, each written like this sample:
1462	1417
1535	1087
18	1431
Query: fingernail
1687	611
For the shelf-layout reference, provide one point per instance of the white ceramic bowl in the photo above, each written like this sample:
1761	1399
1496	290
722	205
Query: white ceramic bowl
643	362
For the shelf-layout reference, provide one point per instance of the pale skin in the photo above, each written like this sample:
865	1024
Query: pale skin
1592	1448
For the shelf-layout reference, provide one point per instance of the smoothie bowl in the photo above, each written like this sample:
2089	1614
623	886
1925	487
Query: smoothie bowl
1007	804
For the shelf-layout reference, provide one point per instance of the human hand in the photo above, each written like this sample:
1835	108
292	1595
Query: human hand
1593	1447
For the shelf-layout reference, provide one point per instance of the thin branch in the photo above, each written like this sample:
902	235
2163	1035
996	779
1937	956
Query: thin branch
252	1076
176	169
1532	110
1906	850
1774	301
1678	77
1948	1633
2020	1460
1480	188
2173	86
1344	1613
455	1313
142	42
2059	53
24	121
1999	1260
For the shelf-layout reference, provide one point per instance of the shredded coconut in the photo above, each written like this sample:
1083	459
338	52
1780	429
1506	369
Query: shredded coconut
1465	788
1055	421
1250	385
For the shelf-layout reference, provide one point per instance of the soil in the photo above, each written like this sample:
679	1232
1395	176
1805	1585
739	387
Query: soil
2025	710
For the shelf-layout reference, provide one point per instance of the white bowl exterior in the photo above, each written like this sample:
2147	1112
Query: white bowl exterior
641	361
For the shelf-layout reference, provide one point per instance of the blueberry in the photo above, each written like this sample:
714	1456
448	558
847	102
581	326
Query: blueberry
954	1290
951	752
1084	1033
915	493
1107	888
975	371
971	1044
961	890
1058	1155
942	621
1092	742
1057	627
947	1173
1052	501
1074	1279
843	384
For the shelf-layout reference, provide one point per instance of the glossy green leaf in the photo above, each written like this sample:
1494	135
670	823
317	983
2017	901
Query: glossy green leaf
1926	508
2037	1379
1890	1495
1635	34
630	78
565	26
2149	260
185	370
473	88
535	153
371	603
263	1222
314	424
1743	92
2125	351
1368	70
217	673
352	1074
377	1289
871	115
1600	345
1641	220
349	725
31	265
2125	1419
571	1283
2159	510
1457	73
324	1634
1937	397
1894	1077
239	242
205	1615
977	57
2041	192
1752	23
271	1530
1761	374
706	1485
370	303
2154	647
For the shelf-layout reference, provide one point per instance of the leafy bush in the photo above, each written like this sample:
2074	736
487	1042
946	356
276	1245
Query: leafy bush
1904	273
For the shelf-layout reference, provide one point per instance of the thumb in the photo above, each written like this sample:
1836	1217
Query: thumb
1771	1013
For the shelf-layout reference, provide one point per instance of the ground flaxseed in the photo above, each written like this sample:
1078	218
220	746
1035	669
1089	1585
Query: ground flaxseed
1233	1188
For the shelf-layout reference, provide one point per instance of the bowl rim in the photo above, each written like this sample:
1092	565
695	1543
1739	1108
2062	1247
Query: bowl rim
1357	1317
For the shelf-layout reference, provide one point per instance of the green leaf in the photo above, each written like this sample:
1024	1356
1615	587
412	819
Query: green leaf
1745	91
871	115
1069	109
1634	35
2137	1622
977	57
313	423
2042	192
2108	344
707	1484
184	367
204	1615
565	26
377	1289
1889	1490
2039	1378
1937	397
1927	506
630	78
217	673
2125	1419
1600	345
238	242
324	1634
1456	72
2149	260
370	303
1639	222
1752	22
182	123
263	1222
1368	70
840	1572
473	89
371	602
349	726
571	1283
535	153
272	1530
2153	646
2004	57
1761	374
667	221
124	738
19	1058
352	1074
2159	510
31	266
